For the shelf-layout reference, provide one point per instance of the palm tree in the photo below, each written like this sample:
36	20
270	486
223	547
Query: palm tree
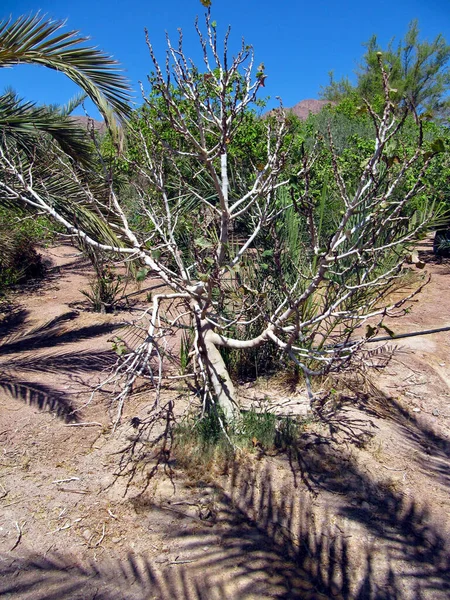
22	122
36	40
28	132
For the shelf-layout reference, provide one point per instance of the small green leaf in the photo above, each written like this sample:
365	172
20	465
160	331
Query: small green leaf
141	274
388	331
370	331
438	146
236	269
203	243
119	346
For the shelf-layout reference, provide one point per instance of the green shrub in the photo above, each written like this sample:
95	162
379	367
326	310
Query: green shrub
19	259
106	287
105	291
204	439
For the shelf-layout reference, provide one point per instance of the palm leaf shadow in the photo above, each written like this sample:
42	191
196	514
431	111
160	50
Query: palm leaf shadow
51	334
42	396
266	543
431	449
20	346
258	554
63	578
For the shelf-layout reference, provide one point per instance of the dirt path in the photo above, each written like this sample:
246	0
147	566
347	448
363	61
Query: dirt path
361	514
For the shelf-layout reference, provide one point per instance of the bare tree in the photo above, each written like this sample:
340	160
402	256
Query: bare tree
208	222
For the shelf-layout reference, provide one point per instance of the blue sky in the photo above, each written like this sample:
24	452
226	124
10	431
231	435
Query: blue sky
299	42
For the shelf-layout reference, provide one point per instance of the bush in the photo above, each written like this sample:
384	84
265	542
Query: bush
105	287
19	260
204	441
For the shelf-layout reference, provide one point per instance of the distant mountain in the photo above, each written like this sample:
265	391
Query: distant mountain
303	109
87	123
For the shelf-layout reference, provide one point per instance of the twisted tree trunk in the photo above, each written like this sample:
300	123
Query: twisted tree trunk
222	386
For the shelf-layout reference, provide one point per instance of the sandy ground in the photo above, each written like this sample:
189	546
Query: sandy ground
359	510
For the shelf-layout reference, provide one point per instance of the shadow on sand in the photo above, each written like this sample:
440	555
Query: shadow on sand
267	542
267	538
36	350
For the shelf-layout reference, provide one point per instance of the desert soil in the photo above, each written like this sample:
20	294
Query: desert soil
361	509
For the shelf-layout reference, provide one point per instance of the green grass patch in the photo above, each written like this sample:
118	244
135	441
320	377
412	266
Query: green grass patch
202	442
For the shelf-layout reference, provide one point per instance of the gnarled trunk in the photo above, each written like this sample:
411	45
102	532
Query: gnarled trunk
224	391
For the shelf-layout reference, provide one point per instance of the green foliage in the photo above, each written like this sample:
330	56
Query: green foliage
258	430
437	178
417	69
19	262
22	122
19	236
104	292
185	350
349	127
106	288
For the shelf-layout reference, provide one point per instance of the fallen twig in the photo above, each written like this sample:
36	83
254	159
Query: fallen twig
11	503
391	469
66	480
399	336
19	537
183	514
90	424
102	537
66	526
60	489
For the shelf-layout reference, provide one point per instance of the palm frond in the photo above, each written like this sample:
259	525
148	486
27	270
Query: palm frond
23	122
81	197
35	39
72	104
